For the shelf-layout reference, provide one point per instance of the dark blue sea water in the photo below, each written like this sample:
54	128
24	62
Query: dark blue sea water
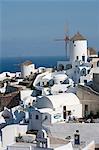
13	64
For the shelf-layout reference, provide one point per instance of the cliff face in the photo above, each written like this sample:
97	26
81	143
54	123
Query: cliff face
9	100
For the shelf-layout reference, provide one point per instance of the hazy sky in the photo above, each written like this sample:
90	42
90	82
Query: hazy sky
28	27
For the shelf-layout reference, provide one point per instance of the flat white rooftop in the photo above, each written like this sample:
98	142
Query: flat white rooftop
88	131
54	143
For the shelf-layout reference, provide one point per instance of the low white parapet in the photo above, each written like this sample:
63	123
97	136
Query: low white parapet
90	146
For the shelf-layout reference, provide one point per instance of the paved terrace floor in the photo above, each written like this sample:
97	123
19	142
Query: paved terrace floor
88	131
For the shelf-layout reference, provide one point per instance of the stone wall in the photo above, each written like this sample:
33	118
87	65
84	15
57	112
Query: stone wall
96	81
88	97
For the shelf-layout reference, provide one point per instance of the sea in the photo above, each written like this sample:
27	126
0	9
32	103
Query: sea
13	64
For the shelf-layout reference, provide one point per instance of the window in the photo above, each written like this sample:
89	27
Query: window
85	81
92	66
83	58
69	112
77	57
42	83
64	108
86	107
64	112
97	63
46	117
98	54
30	116
43	134
88	71
83	72
37	117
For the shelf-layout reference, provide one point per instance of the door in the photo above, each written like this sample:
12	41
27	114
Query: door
64	112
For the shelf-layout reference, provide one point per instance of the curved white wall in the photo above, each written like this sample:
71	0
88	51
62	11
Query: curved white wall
78	48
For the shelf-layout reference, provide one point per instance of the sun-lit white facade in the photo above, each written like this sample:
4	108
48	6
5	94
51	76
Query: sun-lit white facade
78	50
27	69
57	103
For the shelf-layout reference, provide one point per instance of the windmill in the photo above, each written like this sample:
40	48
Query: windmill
66	40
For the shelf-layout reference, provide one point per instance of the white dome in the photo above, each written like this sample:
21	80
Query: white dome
56	101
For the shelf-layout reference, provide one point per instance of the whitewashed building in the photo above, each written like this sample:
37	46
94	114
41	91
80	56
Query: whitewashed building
58	107
14	137
77	65
77	51
53	82
78	48
27	69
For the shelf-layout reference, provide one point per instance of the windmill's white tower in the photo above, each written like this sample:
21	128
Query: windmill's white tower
27	69
78	48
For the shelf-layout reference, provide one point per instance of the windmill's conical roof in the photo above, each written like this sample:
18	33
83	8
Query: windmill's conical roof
77	37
